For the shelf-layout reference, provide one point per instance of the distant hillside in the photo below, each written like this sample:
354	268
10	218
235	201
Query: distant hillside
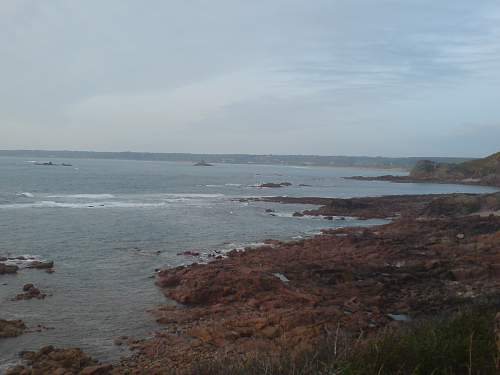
299	160
485	171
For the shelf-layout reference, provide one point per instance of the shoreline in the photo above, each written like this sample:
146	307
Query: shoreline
406	179
293	294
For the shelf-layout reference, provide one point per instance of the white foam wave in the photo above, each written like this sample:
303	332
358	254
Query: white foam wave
22	261
25	195
194	195
53	204
84	196
228	185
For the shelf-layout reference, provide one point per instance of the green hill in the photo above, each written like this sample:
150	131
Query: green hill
484	171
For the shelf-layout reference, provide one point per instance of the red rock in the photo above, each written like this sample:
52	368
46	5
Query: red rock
96	370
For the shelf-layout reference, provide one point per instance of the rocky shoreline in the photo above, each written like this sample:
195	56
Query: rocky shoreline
441	252
430	180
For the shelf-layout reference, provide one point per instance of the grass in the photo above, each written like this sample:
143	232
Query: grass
460	344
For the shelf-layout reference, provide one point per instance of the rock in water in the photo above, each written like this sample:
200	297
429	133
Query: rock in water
41	265
30	291
4	269
11	328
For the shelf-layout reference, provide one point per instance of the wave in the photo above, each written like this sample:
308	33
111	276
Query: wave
84	196
194	195
23	261
112	201
222	185
25	195
53	204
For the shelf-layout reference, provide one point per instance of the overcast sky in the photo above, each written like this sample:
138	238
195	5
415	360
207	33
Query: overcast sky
352	77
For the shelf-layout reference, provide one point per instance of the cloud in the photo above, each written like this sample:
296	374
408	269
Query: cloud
327	77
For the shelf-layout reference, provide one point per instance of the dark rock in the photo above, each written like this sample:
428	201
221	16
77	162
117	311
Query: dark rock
41	265
274	184
190	253
30	292
11	328
202	163
4	269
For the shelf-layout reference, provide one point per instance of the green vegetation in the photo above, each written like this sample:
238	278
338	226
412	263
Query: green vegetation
461	344
486	170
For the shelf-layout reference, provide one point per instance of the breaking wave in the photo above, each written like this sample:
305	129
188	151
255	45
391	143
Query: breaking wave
25	195
84	196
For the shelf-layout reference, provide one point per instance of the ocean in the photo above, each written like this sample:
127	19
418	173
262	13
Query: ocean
109	224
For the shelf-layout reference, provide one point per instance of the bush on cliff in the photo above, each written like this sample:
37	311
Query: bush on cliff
463	344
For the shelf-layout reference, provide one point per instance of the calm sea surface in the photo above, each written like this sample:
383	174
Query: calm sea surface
108	224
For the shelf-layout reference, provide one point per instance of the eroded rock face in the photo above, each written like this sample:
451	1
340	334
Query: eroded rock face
52	361
11	328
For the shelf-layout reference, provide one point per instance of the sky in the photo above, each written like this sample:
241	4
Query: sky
324	77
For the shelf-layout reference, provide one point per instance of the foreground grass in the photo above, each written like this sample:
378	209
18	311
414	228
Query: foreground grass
461	344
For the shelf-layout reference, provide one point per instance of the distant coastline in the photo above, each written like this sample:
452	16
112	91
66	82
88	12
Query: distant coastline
393	163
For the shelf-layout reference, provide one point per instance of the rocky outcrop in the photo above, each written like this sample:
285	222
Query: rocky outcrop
41	265
52	361
30	292
433	205
11	328
366	207
293	295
